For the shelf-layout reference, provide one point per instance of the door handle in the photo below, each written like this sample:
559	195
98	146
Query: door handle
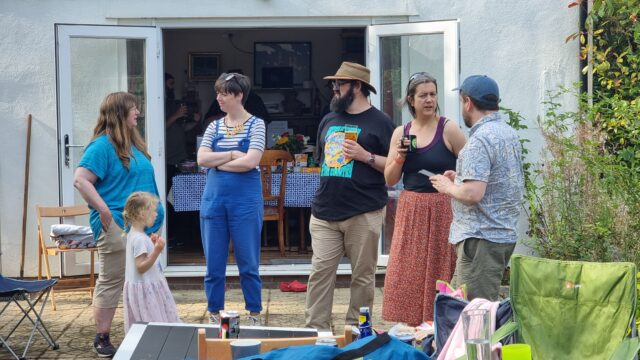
67	146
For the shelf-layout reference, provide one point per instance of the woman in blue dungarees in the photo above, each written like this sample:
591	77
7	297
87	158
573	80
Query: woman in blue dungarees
231	207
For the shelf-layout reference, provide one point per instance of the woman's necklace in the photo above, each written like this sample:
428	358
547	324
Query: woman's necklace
231	131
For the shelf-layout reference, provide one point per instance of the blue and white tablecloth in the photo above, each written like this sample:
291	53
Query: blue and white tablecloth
301	187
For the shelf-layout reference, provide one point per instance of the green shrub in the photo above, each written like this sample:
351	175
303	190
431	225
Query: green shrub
616	74
583	202
583	197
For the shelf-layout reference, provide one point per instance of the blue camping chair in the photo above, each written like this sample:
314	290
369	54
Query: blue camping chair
26	294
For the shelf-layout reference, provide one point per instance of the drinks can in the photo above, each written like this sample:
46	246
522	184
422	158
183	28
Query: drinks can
364	323
327	342
229	324
365	317
413	143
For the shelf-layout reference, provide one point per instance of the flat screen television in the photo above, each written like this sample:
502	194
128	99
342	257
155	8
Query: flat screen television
278	58
277	77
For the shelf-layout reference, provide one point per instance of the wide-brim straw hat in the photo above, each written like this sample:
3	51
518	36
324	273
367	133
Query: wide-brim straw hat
353	71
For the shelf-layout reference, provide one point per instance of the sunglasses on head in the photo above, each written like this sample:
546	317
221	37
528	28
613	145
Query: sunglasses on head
418	75
232	76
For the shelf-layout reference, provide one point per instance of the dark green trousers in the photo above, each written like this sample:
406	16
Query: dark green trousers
480	265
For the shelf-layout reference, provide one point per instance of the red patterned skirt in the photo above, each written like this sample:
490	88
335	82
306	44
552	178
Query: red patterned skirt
420	255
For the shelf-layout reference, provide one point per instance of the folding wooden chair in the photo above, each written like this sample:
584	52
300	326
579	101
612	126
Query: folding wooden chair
220	349
22	293
44	250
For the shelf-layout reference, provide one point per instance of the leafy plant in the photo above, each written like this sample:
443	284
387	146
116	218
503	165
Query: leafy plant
615	62
602	143
584	203
516	121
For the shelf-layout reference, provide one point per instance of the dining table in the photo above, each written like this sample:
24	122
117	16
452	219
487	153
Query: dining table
300	189
187	189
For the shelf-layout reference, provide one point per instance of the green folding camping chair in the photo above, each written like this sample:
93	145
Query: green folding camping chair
572	309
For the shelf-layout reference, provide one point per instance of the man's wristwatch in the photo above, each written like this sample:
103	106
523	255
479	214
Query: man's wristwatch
372	159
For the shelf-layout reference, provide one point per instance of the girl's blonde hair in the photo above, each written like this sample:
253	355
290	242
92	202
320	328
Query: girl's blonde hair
112	121
137	203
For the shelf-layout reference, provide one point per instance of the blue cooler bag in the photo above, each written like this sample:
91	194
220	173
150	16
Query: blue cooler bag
377	347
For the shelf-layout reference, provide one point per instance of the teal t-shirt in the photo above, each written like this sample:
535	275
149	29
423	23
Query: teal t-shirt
115	183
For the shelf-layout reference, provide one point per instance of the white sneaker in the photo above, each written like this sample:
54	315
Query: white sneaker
214	318
254	320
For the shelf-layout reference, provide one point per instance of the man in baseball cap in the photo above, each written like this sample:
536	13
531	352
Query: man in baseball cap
483	90
487	189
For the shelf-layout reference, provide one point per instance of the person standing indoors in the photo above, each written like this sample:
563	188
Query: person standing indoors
232	206
113	166
176	152
487	189
348	208
420	253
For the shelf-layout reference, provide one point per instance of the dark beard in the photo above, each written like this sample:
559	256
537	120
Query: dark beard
467	120
341	103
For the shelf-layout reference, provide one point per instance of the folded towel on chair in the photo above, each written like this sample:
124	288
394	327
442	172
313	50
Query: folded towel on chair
69	236
69	229
74	241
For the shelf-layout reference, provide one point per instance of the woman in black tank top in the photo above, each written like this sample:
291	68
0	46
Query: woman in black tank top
420	252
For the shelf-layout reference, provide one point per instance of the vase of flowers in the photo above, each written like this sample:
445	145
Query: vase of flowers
292	144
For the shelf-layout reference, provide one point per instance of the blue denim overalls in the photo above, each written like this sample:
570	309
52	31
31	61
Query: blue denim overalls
231	208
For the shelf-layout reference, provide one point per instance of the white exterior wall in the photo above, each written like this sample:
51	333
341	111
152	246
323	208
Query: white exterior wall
518	43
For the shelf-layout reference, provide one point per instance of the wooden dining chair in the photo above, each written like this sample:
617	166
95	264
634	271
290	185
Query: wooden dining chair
275	212
220	349
44	251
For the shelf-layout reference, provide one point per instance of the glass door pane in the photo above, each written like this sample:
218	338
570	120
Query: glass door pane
99	67
395	53
94	61
402	56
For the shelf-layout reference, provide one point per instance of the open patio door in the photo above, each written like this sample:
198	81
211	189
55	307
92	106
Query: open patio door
394	53
93	61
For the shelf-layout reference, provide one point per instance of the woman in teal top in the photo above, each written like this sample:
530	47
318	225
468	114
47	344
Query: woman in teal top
114	165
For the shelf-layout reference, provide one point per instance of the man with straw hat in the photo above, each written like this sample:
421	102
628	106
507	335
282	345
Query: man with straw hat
348	209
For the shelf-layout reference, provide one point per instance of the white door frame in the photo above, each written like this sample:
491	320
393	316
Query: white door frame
448	28
154	109
449	99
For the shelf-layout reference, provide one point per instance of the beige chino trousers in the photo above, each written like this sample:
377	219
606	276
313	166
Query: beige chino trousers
112	257
357	238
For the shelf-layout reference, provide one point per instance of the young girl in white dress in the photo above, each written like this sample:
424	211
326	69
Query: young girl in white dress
147	297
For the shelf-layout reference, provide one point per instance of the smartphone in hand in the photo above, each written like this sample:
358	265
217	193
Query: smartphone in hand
426	173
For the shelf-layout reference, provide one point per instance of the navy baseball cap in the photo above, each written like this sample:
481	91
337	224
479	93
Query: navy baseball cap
482	89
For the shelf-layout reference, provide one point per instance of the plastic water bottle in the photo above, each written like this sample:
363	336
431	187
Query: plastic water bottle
364	323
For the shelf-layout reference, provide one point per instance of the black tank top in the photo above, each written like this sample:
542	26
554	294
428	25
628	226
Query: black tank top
435	157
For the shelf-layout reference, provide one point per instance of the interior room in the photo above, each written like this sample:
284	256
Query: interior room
286	67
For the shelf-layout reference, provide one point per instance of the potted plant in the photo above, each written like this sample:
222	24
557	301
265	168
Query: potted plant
292	144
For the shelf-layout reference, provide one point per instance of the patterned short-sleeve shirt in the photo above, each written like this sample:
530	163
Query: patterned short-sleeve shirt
493	155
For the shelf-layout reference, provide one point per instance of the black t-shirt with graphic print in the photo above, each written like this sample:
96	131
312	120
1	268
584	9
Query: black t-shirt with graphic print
349	187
